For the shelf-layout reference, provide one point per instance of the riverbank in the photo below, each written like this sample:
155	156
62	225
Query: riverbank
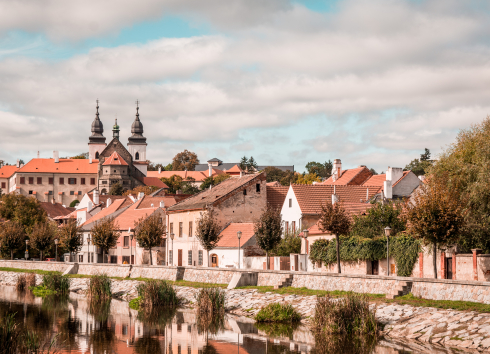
438	327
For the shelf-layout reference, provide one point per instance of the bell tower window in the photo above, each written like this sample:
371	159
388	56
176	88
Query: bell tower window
97	155
137	156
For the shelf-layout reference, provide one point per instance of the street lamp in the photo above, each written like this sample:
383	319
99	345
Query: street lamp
172	235
88	248
56	252
239	235
388	233
26	255
305	235
131	243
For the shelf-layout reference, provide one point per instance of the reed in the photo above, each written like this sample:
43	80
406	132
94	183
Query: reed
21	282
30	280
100	287
211	301
56	283
277	312
156	293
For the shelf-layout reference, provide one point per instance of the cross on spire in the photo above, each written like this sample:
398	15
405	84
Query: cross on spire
137	109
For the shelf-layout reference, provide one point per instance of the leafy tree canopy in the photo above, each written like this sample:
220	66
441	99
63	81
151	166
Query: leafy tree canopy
116	189
154	167
141	189
83	155
105	234
208	230
149	232
176	183
213	181
12	236
420	166
74	203
377	218
323	170
291	243
71	236
185	160
43	235
308	178
248	164
268	229
25	210
283	177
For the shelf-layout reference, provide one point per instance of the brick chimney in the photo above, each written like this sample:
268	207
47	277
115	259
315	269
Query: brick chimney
337	169
210	170
56	156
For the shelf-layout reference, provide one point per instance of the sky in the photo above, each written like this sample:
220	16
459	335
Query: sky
370	82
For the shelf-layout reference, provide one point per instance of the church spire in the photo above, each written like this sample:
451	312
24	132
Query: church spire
137	129
115	130
97	128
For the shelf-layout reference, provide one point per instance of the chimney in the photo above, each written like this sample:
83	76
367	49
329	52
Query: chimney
38	154
422	178
96	197
388	189
335	199
18	163
89	160
210	170
337	169
241	173
56	156
108	202
393	174
159	170
89	205
162	204
141	195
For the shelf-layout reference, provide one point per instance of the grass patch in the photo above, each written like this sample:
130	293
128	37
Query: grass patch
349	315
100	287
35	271
307	292
156	293
52	284
277	312
42	291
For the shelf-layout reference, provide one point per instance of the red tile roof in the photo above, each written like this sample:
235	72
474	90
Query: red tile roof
152	181
311	197
198	176
273	184
72	215
353	176
54	210
141	209
115	160
276	195
229	235
63	166
378	180
7	171
147	201
235	170
103	199
115	206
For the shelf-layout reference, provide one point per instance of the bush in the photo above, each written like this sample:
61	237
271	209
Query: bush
347	315
57	283
21	282
277	312
99	287
158	293
211	301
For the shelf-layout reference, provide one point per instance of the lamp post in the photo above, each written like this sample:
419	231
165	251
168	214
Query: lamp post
305	235
27	250
172	235
131	247
88	248
388	233
56	252
239	235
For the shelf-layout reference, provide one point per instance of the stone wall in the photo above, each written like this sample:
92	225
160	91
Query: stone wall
50	266
111	270
156	272
454	290
209	275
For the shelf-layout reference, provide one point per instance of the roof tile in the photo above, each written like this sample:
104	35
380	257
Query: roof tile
229	235
63	166
115	160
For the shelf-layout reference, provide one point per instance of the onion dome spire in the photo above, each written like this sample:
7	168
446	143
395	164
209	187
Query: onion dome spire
97	128
115	130
137	129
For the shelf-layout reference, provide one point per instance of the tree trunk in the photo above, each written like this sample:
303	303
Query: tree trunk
103	256
266	260
11	255
151	259
209	263
41	254
338	253
435	260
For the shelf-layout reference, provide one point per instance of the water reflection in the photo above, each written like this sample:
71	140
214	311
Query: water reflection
112	327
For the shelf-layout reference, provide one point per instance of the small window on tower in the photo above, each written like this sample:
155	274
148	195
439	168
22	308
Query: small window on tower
137	156
97	155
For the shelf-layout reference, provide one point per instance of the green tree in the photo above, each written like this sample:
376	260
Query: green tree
334	219
169	167
425	156
147	190
116	189
188	186
283	177
420	166
268	230
149	232
155	167
435	216
74	203
83	155
252	164
26	211
105	235
12	236
213	181
185	160
244	163
373	171
176	183
323	170
290	243
377	218
208	231
308	178
42	236
71	237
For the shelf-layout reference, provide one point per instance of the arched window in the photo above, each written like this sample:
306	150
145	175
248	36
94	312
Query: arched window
103	191
97	155
137	156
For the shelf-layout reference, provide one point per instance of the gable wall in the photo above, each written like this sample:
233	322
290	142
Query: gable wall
406	186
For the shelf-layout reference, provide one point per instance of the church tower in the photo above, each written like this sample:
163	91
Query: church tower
96	142
137	143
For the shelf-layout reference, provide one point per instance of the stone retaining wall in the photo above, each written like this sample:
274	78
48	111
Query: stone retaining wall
50	266
111	270
454	290
209	275
155	272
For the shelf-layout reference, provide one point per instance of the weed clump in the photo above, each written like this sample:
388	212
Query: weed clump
21	282
276	312
156	293
99	287
349	315
210	302
30	280
52	284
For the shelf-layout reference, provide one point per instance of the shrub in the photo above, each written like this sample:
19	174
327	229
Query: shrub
21	282
99	287
30	280
158	293
277	312
211	301
57	283
347	315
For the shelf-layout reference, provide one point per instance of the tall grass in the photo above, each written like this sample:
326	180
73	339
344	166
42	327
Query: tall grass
21	282
30	280
349	315
277	312
210	309
156	293
100	287
57	283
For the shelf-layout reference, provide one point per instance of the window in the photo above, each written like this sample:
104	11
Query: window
51	180
290	203
82	180
189	258
50	192
137	156
22	180
125	182
162	242
244	192
62	180
39	180
80	258
104	182
126	241
31	180
287	226
257	187
30	192
113	259
72	181
125	259
200	257
72	192
125	329
293	226
92	181
181	228
97	155
114	171
4	185
79	192
171	227
190	228
170	257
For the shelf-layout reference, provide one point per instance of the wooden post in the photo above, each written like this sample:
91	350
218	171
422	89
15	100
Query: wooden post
443	265
421	264
476	252
454	266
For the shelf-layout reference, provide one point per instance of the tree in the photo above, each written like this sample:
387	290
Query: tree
147	190
43	235
377	218
252	164
176	183
105	235
268	230
155	167
420	166
334	219
26	211
291	243
74	203
323	170
116	189
185	160
373	171
243	163
213	181
208	231
308	178
435	216
283	177
12	236
169	167
83	155
425	156
149	232
71	237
